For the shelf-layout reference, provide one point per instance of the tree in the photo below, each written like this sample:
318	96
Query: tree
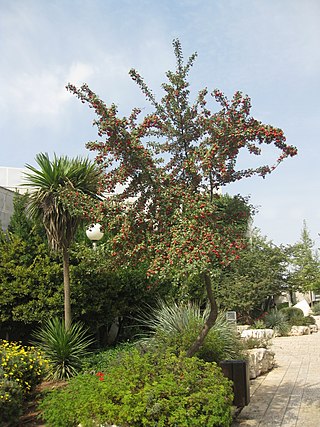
53	180
260	274
20	224
304	264
172	164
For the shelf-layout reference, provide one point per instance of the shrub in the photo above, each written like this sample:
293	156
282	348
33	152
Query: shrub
302	321
295	317
64	348
292	312
316	308
24	365
175	327
145	390
11	400
258	324
277	321
21	369
253	342
282	305
101	360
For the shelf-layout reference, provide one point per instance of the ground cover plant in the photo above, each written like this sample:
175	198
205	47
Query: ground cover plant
145	390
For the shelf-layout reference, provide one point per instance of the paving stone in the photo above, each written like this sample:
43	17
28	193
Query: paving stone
289	395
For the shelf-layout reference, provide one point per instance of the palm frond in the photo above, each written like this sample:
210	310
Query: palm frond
49	182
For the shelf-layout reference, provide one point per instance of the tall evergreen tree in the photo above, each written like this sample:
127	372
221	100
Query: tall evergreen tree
304	271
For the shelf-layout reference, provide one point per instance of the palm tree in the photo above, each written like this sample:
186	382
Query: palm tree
52	180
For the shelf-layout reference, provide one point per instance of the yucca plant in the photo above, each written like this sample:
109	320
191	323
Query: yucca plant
64	347
175	327
277	320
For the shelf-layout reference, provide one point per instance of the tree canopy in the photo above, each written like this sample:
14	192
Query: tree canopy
172	164
304	263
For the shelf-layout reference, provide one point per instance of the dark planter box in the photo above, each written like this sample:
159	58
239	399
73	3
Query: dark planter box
238	372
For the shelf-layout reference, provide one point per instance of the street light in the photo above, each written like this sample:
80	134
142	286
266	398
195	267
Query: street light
94	233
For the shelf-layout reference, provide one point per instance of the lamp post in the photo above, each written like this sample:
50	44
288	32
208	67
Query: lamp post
94	233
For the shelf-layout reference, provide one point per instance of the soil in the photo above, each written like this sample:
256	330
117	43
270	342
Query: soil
32	416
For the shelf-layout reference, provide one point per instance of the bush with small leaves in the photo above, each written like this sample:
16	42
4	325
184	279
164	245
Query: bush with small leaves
316	309
24	365
295	317
292	312
144	390
11	401
100	361
302	321
21	369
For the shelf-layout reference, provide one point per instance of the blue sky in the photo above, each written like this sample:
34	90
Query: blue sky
268	49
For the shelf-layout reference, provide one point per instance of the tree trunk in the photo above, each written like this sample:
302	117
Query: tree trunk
66	286
210	320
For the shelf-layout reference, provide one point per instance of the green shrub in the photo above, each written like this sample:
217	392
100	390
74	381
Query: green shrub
253	342
302	321
21	369
100	361
175	327
258	324
316	309
64	348
295	317
292	312
11	401
282	305
277	321
145	390
24	365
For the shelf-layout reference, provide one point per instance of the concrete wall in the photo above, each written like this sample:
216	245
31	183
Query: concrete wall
6	206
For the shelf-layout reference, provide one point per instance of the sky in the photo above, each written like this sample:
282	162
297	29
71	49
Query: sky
268	49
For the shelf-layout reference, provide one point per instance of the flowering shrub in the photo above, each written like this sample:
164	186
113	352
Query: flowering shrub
21	369
11	398
25	365
144	390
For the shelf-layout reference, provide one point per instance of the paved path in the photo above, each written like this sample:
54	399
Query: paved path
289	395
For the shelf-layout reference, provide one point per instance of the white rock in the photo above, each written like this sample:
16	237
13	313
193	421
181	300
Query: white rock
300	330
313	328
261	360
241	328
257	333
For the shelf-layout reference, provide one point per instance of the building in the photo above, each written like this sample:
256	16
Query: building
10	183
6	206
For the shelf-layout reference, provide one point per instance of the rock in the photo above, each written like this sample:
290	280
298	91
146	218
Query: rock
258	333
261	360
300	330
241	328
313	328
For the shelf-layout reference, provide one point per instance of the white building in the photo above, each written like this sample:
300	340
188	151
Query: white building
10	183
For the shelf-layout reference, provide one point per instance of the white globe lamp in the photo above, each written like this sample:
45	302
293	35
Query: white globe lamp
94	233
